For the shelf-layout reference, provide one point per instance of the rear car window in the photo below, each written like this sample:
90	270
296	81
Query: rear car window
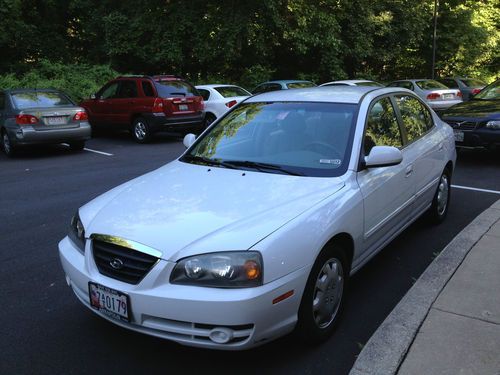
300	85
473	83
230	91
430	84
369	84
205	94
35	99
167	89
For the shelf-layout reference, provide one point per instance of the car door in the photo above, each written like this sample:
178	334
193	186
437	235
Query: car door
388	192
425	144
123	105
101	106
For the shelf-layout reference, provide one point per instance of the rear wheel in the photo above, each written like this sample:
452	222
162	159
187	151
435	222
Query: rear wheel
7	145
141	130
323	299
77	145
209	118
440	203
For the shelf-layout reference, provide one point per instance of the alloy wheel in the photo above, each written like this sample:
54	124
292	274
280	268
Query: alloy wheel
442	194
140	130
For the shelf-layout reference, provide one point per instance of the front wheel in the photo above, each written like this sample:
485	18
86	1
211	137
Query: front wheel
441	201
141	130
323	299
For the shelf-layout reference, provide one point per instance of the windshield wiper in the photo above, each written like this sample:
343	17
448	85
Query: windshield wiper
261	166
203	159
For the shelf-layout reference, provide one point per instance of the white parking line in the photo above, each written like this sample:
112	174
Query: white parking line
98	152
475	189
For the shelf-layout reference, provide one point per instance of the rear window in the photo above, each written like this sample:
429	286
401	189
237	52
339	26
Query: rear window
34	99
369	84
431	85
300	85
167	89
473	83
230	91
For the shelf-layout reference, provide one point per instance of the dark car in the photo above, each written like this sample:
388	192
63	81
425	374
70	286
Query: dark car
146	105
467	86
476	123
34	116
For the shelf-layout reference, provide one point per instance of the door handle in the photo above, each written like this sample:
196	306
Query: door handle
409	171
440	147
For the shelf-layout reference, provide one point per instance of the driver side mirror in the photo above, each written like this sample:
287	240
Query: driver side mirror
189	140
383	156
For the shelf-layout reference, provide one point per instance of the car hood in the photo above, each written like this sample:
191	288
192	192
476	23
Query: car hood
474	109
183	209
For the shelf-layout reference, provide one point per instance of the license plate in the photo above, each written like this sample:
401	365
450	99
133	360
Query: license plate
109	301
58	120
183	107
448	96
459	136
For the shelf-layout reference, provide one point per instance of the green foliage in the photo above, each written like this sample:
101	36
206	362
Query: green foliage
77	80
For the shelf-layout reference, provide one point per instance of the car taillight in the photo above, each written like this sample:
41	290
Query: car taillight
476	91
433	96
231	103
26	119
80	116
459	94
158	105
202	105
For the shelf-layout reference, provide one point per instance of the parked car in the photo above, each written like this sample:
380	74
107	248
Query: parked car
467	86
281	85
437	95
38	116
219	99
146	105
353	82
476	123
257	227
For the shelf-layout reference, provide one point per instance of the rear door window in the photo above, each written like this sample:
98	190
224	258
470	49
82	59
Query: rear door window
382	128
417	119
34	99
147	88
168	89
128	89
109	92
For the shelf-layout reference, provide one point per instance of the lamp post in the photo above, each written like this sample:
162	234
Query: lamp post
434	40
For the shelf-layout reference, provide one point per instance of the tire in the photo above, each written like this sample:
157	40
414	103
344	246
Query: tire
316	322
441	200
141	130
209	118
7	146
77	145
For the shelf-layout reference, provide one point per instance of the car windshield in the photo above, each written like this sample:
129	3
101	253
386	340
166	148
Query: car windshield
369	83
473	82
38	99
231	91
430	84
167	89
310	139
491	92
300	85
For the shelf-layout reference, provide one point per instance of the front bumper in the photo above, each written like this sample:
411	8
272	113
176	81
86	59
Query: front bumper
481	137
27	135
187	314
178	124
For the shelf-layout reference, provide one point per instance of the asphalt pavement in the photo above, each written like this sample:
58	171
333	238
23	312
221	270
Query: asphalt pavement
45	330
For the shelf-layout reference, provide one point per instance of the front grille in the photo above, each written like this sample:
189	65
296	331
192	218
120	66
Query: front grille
134	264
462	125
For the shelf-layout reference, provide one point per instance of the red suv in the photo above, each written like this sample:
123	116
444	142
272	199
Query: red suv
146	105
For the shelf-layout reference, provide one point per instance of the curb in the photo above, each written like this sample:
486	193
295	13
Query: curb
386	349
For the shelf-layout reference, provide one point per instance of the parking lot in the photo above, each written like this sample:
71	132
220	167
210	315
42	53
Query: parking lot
46	330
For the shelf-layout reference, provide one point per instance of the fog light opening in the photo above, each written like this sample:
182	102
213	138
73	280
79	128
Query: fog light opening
221	335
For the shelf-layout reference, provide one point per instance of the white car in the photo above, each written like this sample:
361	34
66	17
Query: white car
219	99
254	231
353	82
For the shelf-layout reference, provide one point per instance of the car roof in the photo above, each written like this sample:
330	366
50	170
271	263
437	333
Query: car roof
330	94
214	85
350	81
286	81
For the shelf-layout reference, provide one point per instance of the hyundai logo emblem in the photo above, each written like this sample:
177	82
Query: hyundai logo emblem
116	263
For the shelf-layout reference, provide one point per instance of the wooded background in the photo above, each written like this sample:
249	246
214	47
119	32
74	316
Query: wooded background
79	44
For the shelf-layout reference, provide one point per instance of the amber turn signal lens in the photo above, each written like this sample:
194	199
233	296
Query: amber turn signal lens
252	270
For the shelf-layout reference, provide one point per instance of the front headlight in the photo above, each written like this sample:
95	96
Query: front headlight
232	269
77	232
493	124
